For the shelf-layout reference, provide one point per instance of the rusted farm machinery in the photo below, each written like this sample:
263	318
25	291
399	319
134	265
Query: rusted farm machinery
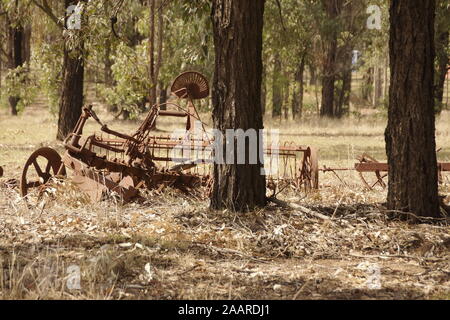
117	163
374	173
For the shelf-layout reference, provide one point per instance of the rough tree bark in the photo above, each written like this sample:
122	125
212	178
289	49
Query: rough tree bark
297	96
71	102
237	98
410	134
332	8
277	88
342	103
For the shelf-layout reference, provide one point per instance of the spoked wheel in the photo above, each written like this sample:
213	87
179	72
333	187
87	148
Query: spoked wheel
372	179
309	175
43	164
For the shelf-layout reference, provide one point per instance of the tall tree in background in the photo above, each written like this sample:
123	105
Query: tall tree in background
332	9
442	50
71	101
15	47
151	51
277	86
410	134
237	98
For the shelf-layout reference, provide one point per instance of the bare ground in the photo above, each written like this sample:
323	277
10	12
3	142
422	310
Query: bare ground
173	247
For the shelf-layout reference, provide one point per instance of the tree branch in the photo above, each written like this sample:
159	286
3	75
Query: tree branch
48	11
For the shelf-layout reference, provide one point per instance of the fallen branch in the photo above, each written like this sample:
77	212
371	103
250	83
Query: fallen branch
300	208
401	256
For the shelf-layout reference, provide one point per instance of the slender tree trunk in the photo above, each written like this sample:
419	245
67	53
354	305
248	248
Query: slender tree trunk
277	88
286	92
152	92
16	58
367	85
377	87
410	134
237	99
312	75
159	61
162	95
297	96
71	102
263	91
442	46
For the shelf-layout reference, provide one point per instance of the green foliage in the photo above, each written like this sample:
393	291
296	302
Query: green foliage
19	84
47	62
131	76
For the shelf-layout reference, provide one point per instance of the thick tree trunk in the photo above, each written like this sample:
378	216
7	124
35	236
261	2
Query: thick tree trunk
26	50
237	99
277	88
343	99
332	8
410	134
71	102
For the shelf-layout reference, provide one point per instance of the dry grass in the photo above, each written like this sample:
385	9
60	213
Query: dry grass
173	247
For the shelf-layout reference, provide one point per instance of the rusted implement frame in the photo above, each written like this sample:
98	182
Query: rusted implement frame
123	164
368	164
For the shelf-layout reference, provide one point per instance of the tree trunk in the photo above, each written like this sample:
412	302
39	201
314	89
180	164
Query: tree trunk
159	61
237	99
332	8
442	45
26	51
152	93
162	95
312	75
286	92
297	96
16	57
345	75
71	102
366	89
263	91
277	89
410	134
377	87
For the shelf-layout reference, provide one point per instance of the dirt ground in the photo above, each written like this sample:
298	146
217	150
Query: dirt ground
335	243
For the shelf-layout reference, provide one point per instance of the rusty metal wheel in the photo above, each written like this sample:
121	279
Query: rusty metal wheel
43	164
368	178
